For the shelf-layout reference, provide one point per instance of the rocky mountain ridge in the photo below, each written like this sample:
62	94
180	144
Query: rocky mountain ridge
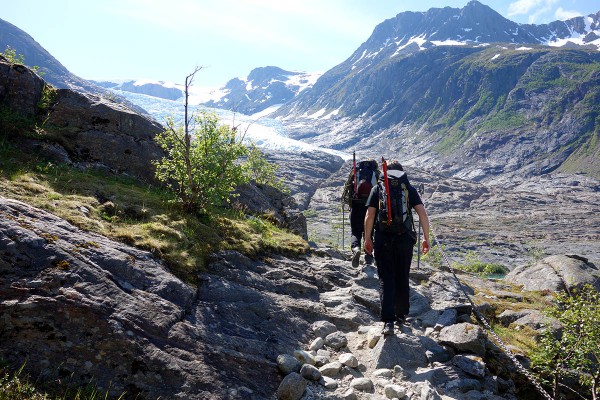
478	100
263	88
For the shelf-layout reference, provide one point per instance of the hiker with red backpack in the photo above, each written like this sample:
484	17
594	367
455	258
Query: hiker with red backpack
389	216
357	188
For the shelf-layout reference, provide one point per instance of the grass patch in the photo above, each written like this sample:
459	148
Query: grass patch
138	214
18	386
474	265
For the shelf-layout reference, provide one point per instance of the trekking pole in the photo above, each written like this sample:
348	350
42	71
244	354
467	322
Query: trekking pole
421	190
354	173
343	226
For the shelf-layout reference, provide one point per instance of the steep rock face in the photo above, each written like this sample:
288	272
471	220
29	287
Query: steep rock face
96	309
20	89
93	130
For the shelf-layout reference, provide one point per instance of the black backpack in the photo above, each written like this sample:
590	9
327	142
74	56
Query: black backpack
366	177
401	218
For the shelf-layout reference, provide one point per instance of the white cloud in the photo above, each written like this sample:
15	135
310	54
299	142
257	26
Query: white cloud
520	7
534	9
563	15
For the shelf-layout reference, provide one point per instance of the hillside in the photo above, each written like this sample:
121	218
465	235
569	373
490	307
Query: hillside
483	99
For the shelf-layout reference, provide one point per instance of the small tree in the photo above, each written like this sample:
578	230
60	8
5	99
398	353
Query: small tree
203	172
575	351
201	161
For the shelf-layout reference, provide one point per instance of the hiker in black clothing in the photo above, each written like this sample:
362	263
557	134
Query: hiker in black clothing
394	247
356	192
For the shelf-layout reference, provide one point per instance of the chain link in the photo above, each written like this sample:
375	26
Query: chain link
487	326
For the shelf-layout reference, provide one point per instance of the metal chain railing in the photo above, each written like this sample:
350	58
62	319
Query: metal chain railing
488	327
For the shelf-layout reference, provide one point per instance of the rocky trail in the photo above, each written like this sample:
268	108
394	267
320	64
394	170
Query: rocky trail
95	309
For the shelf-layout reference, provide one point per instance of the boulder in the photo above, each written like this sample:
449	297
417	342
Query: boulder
556	273
464	337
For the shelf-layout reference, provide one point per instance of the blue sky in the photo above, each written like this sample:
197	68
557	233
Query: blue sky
165	40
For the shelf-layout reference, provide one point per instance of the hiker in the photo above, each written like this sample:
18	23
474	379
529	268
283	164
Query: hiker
395	237
357	188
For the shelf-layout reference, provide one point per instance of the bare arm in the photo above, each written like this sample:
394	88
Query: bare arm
369	222
424	221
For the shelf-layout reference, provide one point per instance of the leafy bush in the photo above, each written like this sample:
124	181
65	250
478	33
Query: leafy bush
574	351
203	171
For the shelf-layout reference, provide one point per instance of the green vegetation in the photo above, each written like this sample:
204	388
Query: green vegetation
474	265
203	162
17	386
574	355
261	171
141	215
12	56
203	171
434	257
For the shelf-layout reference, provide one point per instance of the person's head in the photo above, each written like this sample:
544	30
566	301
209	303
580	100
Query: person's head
395	164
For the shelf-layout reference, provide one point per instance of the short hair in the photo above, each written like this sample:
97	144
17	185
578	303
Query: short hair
395	164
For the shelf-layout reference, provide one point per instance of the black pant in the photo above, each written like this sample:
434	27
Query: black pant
393	255
357	223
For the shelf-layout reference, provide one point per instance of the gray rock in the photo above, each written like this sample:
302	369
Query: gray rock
288	364
463	385
349	394
429	318
349	360
403	350
328	383
447	318
428	392
310	372
331	369
316	344
472	365
336	340
323	328
464	337
555	273
321	360
394	391
291	387
304	357
362	384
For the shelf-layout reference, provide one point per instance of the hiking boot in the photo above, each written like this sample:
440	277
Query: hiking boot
388	328
355	256
401	320
369	259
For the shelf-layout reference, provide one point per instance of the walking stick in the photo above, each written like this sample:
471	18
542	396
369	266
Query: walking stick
421	191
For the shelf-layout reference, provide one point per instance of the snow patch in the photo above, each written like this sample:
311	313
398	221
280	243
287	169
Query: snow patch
448	42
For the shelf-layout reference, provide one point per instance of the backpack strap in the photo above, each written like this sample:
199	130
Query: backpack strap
387	191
